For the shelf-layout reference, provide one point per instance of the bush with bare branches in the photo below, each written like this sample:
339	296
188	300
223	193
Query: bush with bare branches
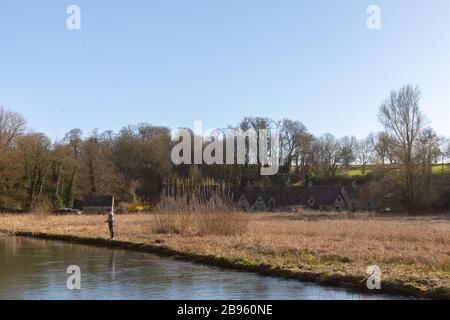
41	208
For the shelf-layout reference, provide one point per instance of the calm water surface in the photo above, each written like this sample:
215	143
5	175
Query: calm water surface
36	269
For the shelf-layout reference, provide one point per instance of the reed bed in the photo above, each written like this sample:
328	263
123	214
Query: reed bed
198	216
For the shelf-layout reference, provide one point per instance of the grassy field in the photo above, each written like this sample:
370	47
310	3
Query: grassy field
355	171
334	248
437	168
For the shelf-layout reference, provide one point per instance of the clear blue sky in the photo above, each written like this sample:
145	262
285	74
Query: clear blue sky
170	62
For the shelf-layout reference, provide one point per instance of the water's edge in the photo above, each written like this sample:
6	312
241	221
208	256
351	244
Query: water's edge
337	281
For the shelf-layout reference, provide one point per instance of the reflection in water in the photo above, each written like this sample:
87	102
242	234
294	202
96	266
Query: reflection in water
36	269
112	264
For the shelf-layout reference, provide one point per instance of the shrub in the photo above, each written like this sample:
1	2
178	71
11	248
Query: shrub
41	208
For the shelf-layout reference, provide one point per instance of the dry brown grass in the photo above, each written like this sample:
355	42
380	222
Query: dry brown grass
41	208
413	250
194	216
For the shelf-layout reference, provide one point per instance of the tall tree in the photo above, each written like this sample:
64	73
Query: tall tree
401	116
349	146
364	153
12	125
384	146
292	133
34	150
330	155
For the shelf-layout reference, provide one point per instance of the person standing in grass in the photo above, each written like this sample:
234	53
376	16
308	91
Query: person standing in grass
111	224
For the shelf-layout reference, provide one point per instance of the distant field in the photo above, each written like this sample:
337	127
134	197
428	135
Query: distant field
438	168
355	171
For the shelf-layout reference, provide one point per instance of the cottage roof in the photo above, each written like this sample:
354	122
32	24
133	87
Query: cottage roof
98	201
287	196
323	195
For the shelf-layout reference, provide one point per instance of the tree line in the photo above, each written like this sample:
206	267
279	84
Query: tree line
135	162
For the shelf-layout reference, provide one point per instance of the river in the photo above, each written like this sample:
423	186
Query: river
37	269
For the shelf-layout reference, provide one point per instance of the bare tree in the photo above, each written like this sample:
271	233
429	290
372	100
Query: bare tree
401	116
292	133
34	150
384	146
11	126
330	156
74	139
305	155
257	124
444	151
446	148
364	153
349	145
428	148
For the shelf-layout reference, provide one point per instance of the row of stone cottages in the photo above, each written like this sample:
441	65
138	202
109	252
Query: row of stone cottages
325	198
254	198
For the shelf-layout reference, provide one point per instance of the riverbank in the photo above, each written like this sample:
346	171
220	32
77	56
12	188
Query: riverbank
327	248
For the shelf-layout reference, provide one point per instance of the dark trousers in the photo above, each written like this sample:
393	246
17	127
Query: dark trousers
111	228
